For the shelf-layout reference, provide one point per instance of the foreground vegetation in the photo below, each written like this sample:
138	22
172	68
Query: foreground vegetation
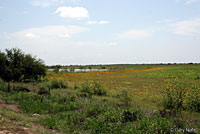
158	101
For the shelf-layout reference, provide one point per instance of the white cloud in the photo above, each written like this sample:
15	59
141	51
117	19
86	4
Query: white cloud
54	31
187	2
53	43
46	3
98	22
93	43
31	35
92	22
72	12
103	22
134	34
186	27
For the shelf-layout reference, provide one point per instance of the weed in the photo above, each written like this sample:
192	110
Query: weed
193	99
175	94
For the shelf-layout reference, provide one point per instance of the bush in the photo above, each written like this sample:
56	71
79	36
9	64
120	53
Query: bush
20	88
43	88
154	126
178	97
86	87
197	77
125	98
175	95
130	115
58	83
76	87
98	88
93	87
193	99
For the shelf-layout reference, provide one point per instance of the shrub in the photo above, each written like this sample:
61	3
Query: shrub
175	95
130	115
93	87
43	88
58	83
76	87
125	98
20	88
154	126
197	77
98	88
193	99
86	87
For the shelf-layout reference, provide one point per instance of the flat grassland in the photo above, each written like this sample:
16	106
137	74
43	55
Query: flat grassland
134	99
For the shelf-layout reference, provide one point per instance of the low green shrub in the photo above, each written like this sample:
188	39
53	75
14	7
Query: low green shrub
125	98
98	88
58	83
154	126
130	115
43	88
178	97
76	87
93	87
193	99
86	87
175	95
197	77
19	87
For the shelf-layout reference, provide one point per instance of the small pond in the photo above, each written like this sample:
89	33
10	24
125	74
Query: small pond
80	70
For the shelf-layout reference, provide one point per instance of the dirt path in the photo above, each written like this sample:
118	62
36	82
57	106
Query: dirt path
9	126
12	125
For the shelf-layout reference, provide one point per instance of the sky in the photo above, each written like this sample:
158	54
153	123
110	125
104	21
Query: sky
69	32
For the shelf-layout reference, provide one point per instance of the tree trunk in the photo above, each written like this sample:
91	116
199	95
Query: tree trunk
8	86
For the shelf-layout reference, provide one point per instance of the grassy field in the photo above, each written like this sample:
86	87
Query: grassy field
138	99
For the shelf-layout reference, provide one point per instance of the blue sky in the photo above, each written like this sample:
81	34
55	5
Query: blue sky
103	31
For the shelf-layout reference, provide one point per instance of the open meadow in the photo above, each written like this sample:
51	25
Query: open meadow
136	99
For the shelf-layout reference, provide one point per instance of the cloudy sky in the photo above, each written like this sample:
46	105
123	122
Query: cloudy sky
102	31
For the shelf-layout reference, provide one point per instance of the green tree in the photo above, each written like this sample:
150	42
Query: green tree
33	69
17	66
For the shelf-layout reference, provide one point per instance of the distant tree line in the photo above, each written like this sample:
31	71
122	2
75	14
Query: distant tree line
15	66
